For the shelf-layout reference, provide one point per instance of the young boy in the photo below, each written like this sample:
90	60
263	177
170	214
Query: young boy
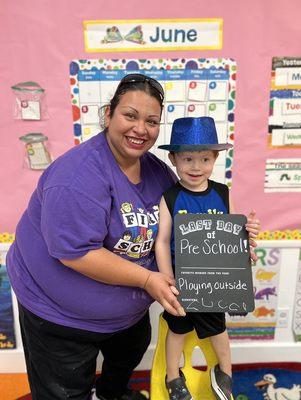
194	149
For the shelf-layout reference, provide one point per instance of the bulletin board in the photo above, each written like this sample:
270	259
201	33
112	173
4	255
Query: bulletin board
193	88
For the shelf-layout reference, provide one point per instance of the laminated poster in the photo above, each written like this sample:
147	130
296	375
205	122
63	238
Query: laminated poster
7	331
297	302
282	175
260	324
285	103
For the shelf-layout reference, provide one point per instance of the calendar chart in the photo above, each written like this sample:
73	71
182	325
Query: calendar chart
193	87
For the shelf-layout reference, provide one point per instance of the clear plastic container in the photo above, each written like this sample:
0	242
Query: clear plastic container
30	101
37	155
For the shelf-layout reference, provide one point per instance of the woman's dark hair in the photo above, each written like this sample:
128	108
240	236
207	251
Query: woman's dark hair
133	82
128	87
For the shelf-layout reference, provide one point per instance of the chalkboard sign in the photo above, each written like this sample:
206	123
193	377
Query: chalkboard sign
212	263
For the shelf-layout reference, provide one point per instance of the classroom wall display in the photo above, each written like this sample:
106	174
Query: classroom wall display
297	308
7	331
30	102
261	323
36	153
285	103
153	34
283	175
212	263
193	87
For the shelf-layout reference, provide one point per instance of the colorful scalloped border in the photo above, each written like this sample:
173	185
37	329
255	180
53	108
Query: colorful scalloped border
287	234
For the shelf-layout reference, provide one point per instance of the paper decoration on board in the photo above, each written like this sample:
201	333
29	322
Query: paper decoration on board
135	35
285	103
297	307
36	152
261	323
112	35
153	34
7	330
30	103
212	263
283	175
193	87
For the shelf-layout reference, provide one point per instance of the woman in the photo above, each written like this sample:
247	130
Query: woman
82	264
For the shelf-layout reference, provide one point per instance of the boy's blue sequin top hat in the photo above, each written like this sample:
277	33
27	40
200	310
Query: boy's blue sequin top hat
194	134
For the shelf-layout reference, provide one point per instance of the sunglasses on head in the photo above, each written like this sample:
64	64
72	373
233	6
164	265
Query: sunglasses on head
136	78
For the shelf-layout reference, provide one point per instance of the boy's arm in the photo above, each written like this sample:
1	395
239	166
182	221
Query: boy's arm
252	226
231	205
162	243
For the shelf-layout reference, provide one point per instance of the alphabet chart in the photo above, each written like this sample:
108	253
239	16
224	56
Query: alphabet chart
193	87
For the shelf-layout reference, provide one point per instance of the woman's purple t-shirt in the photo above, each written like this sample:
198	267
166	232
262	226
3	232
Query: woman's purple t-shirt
84	201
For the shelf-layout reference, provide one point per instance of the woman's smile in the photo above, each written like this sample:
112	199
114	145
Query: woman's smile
134	126
135	142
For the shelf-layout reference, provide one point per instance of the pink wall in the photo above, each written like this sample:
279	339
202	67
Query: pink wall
39	38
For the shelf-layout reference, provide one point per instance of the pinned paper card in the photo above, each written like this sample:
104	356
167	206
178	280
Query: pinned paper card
107	91
213	267
90	114
217	90
89	131
30	110
167	134
196	110
89	93
174	111
222	131
197	91
175	91
218	111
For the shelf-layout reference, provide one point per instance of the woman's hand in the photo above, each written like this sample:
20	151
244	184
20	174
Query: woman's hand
253	228
162	288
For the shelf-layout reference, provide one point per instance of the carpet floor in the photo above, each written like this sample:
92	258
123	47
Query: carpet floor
277	381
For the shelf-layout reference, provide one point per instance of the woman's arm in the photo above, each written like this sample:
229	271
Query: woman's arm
104	266
162	244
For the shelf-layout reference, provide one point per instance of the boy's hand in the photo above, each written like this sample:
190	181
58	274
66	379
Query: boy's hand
253	228
162	288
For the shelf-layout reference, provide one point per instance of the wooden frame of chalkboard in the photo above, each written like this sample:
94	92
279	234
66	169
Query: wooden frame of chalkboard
212	263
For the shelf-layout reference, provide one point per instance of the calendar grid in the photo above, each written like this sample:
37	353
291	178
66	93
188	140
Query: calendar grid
193	87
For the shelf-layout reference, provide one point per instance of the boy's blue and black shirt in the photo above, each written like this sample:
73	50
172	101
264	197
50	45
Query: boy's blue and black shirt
213	200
